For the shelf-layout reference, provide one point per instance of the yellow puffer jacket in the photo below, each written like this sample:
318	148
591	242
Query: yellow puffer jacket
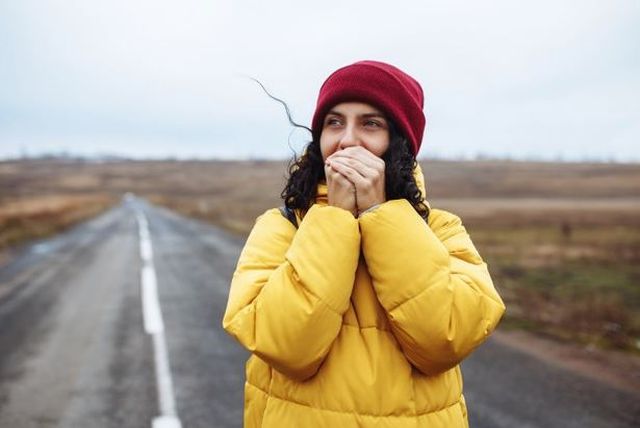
359	322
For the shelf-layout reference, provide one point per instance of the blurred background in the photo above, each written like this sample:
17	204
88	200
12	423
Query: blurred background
533	133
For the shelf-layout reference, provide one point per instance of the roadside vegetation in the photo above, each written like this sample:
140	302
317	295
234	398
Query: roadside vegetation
562	240
568	279
34	217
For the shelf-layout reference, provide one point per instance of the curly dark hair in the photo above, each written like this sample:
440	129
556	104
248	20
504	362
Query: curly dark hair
306	171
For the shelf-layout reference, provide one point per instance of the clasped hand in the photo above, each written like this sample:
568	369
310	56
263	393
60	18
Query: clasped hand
355	179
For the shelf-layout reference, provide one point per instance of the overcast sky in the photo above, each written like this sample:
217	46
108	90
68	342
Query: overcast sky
540	79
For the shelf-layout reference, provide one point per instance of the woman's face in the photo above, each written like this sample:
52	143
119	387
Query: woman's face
354	124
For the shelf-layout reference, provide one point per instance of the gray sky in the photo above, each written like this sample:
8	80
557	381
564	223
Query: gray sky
539	79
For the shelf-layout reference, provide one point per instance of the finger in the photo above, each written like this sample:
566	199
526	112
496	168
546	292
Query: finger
363	169
340	183
327	172
349	173
366	169
333	175
361	154
344	182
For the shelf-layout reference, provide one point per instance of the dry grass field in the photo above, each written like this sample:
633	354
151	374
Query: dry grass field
562	240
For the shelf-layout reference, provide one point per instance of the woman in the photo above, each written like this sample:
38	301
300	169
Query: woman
359	310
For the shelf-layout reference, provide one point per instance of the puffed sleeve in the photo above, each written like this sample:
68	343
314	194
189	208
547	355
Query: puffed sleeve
291	288
432	283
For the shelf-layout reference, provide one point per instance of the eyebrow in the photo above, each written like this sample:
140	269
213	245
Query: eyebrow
366	115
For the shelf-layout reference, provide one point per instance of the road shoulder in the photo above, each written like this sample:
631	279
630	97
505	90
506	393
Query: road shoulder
614	368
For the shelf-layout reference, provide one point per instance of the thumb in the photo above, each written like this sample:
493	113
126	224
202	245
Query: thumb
327	172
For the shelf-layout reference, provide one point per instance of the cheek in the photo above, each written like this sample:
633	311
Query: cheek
379	146
327	146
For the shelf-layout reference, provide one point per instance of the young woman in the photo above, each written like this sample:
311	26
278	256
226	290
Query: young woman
359	310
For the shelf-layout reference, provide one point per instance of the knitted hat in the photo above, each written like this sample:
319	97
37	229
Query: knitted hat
382	85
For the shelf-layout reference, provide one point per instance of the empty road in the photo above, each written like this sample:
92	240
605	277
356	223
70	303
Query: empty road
116	323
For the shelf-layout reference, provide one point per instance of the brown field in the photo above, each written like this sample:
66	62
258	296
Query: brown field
31	217
562	240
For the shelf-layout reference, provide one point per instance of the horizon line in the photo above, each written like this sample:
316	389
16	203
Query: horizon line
62	156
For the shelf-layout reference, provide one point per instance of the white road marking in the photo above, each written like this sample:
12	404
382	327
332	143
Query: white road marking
145	249
151	311
153	324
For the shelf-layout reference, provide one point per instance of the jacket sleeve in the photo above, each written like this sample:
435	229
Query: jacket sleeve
291	288
432	283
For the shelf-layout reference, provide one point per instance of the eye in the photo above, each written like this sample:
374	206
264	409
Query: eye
372	124
332	121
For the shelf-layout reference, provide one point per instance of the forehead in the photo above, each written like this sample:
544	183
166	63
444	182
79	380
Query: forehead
355	108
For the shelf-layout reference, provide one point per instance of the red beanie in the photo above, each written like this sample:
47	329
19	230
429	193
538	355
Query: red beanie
382	85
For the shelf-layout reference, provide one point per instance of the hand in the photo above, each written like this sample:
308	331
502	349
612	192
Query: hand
364	170
340	191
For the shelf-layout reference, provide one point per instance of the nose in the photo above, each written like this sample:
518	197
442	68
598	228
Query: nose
349	137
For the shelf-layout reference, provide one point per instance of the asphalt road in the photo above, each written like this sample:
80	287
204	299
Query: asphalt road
74	351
